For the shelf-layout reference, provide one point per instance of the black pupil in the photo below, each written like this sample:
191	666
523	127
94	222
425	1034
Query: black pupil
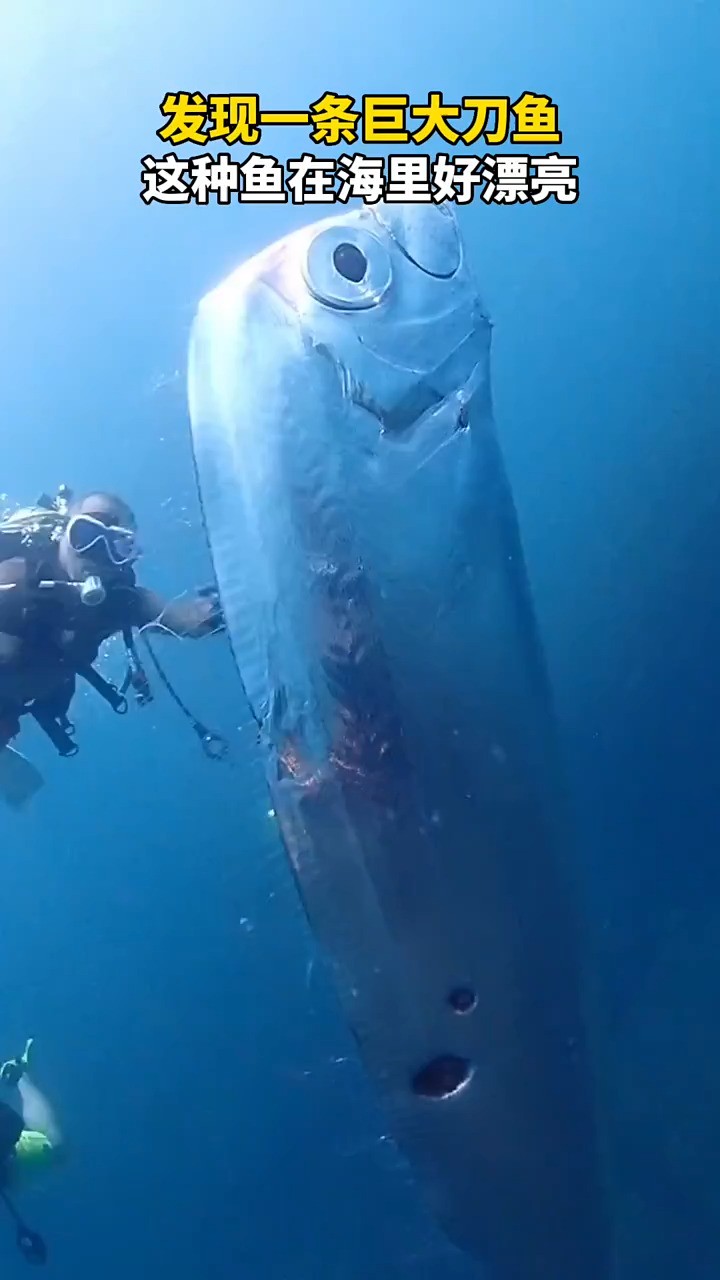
350	262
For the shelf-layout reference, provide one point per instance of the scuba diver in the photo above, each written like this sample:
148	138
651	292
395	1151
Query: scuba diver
30	1143
67	584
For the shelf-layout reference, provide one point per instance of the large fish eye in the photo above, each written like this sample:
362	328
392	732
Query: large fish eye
347	268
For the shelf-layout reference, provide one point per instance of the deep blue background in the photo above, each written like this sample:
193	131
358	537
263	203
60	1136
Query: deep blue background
150	938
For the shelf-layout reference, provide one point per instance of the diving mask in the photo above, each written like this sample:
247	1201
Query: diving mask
86	532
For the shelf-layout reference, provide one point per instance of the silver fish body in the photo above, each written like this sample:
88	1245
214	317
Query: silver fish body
367	555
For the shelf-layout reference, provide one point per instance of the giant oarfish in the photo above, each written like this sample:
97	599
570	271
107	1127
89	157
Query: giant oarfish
367	555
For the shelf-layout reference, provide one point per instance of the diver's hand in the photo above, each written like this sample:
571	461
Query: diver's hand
193	617
198	616
210	610
12	1071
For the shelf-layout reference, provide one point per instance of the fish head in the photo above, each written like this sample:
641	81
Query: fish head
384	295
380	307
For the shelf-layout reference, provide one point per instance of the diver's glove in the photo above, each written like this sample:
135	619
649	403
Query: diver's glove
12	1071
215	616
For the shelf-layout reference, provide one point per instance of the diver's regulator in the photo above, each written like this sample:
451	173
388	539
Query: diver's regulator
92	591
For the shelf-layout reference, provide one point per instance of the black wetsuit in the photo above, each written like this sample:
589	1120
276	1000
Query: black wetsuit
46	637
49	637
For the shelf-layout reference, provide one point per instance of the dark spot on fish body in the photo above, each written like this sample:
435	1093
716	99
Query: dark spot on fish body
442	1077
462	1000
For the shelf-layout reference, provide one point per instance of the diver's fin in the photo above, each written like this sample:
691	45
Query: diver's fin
19	779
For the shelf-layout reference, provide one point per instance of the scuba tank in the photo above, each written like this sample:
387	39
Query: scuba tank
36	526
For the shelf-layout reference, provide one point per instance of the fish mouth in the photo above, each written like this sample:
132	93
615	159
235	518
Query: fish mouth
452	382
407	415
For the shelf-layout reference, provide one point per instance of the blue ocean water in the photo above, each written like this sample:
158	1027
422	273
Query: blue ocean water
218	1120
